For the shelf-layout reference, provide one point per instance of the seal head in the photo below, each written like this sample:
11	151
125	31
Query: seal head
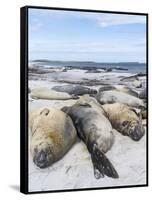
134	130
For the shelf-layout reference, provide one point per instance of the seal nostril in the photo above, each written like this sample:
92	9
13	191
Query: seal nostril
138	133
41	156
40	159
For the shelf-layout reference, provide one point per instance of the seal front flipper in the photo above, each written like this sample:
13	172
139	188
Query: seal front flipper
102	164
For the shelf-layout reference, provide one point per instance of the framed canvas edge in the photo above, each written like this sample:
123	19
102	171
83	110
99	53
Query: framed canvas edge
24	99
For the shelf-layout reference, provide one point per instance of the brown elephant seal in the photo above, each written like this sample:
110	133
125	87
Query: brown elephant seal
45	93
74	89
86	99
109	97
125	120
96	132
53	134
124	89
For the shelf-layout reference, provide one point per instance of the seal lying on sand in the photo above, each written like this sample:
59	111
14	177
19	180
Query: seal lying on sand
108	97
130	78
124	89
74	89
137	84
125	120
53	134
96	132
143	94
45	93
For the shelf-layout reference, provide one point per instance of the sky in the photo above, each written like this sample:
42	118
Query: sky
85	36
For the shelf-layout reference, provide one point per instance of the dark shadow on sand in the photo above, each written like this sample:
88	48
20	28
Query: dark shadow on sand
15	187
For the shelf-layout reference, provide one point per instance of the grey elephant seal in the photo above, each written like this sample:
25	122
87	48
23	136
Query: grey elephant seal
45	93
130	78
96	132
109	97
53	134
125	120
137	84
143	94
74	89
124	89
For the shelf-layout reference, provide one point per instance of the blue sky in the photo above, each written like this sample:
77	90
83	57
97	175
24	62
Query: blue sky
83	36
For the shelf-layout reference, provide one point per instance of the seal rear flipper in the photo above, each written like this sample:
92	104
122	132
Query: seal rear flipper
102	166
97	173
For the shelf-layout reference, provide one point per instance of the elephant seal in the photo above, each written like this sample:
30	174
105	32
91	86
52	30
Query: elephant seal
143	94
96	132
53	134
125	120
109	97
86	99
124	89
130	78
74	89
45	93
137	84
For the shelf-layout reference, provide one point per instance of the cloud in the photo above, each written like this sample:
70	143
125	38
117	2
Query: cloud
35	25
102	19
120	19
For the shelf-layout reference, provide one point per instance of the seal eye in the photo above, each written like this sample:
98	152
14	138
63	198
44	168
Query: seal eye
124	123
45	111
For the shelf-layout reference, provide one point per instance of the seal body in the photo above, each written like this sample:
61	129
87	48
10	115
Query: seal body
124	89
53	134
74	89
108	97
130	78
125	120
96	132
143	94
137	84
45	93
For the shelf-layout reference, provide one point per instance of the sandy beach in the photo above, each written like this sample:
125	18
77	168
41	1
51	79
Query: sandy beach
75	170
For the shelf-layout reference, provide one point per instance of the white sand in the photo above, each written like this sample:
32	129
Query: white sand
75	169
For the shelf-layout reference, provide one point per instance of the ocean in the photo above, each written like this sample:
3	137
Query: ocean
131	67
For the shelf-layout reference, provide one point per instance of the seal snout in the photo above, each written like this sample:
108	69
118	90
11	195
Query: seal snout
75	96
41	159
93	91
137	133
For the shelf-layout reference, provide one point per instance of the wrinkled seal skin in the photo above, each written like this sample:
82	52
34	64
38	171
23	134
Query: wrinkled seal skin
45	93
109	97
53	134
74	89
125	120
96	132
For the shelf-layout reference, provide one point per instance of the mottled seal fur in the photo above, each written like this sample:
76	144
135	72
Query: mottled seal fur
74	89
53	134
96	132
125	120
109	97
45	93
